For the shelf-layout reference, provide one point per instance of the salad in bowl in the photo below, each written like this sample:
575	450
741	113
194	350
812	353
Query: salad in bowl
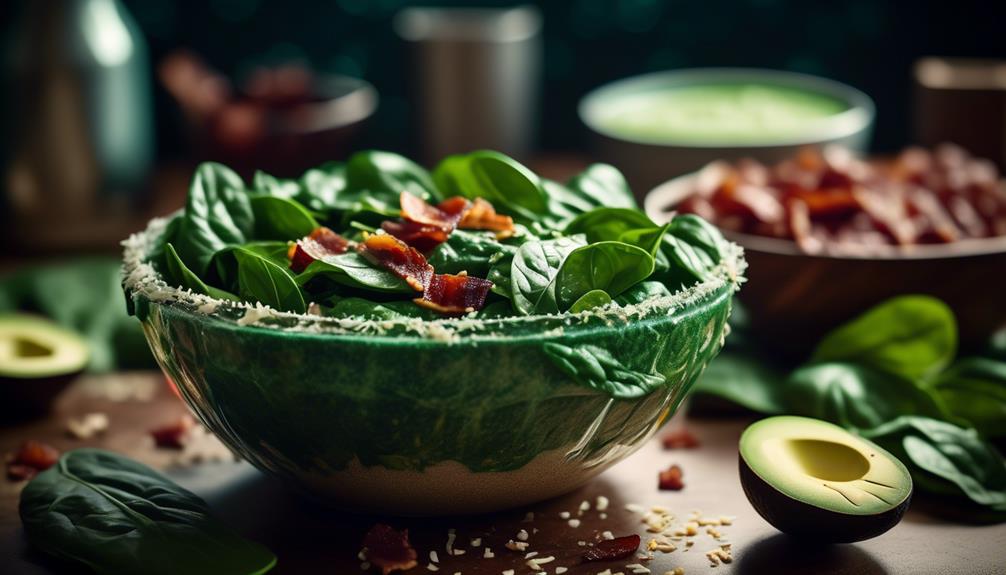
462	340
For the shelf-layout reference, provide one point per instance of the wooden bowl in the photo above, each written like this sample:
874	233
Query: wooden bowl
793	298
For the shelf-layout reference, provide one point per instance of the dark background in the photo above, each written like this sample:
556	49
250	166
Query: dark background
866	43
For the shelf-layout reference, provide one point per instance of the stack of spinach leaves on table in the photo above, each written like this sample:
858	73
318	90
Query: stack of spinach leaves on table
576	245
891	376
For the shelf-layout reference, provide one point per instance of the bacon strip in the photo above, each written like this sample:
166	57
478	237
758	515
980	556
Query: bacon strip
455	294
482	216
389	550
420	236
320	243
423	226
401	259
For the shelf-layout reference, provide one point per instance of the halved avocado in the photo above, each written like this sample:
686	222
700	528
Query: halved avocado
38	358
815	480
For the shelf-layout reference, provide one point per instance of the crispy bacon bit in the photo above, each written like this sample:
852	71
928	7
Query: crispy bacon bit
320	243
445	215
611	549
33	457
680	439
174	435
420	236
670	480
401	259
482	216
388	549
455	294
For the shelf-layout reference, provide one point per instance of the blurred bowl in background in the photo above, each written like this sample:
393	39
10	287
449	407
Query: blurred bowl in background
657	126
793	298
283	121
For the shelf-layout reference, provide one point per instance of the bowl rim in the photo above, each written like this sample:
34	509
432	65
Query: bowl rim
141	279
673	191
856	119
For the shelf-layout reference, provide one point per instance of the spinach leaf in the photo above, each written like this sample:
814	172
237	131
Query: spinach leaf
641	292
590	300
265	184
912	336
359	308
856	396
610	266
509	185
533	274
974	389
603	185
946	459
594	366
648	239
320	187
497	309
117	516
352	270
745	379
217	214
469	251
499	273
225	264
386	173
692	249
608	224
178	274
259	279
281	219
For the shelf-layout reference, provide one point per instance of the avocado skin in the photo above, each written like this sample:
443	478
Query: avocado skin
805	521
31	397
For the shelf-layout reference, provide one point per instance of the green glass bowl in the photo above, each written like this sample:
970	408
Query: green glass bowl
436	417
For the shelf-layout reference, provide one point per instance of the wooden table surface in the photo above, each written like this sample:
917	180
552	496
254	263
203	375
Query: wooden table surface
309	539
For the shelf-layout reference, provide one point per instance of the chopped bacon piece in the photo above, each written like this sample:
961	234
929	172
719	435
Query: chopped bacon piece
388	549
420	236
482	216
445	215
320	243
455	294
401	259
30	459
670	480
611	549
680	439
173	435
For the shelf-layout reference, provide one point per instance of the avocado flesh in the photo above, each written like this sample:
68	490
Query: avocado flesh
32	347
816	480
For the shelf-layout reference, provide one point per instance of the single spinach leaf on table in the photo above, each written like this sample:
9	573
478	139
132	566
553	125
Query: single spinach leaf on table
590	300
974	389
610	266
856	396
533	274
281	219
603	185
120	517
217	214
180	275
912	336
352	270
595	367
947	460
389	173
261	280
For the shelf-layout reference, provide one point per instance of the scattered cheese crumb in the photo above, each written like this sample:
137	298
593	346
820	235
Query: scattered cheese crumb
574	523
602	503
508	572
634	507
477	542
88	426
522	535
488	553
531	554
604	516
584	506
725	520
608	535
676	571
432	567
560	570
564	515
434	557
450	541
516	545
637	568
715	533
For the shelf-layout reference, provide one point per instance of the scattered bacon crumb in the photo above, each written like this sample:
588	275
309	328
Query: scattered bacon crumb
389	549
455	294
482	216
680	439
174	435
670	480
32	458
320	243
395	255
610	549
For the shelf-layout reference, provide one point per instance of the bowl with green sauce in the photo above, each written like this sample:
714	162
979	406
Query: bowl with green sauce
658	126
335	379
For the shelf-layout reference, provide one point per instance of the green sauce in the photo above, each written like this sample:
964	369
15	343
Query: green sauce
719	113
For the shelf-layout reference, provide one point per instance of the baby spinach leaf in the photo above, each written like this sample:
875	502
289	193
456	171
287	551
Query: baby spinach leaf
180	275
648	239
117	516
912	336
610	266
946	459
499	274
692	249
533	274
641	292
590	300
496	309
225	264
352	270
469	251
377	171
856	396
608	224
265	184
509	185
259	279
281	219
745	379
217	214
594	366
974	389
359	308
320	187
603	185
